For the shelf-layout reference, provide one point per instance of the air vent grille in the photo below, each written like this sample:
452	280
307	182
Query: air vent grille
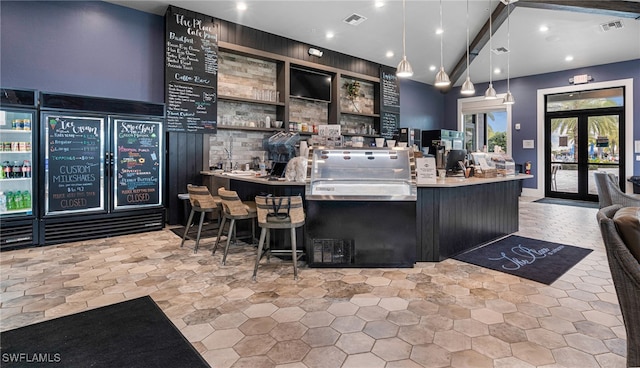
500	50
610	26
354	19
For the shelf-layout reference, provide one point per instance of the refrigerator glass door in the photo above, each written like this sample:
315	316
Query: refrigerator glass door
16	159
138	163
74	163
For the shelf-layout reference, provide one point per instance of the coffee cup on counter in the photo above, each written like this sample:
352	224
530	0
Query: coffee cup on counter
379	142
391	143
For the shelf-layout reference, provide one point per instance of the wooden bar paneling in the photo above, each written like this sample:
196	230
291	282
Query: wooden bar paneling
452	220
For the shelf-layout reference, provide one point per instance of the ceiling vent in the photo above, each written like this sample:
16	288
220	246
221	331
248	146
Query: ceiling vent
500	50
610	26
354	19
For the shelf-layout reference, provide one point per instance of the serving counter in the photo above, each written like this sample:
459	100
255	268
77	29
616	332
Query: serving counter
447	217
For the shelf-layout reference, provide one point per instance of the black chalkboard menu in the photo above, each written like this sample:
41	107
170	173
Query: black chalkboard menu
191	71
389	103
74	164
389	124
138	163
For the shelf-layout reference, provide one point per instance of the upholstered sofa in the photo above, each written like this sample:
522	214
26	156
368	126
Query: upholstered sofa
620	228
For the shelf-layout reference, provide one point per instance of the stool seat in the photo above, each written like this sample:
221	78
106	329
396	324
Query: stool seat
202	202
278	213
233	209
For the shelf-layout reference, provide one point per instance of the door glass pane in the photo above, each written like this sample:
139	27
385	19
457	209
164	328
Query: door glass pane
604	146
497	130
470	136
583	100
564	155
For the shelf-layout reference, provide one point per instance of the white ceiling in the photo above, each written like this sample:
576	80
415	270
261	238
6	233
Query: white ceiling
532	52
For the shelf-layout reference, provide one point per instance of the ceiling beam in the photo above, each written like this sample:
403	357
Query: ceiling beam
614	8
617	8
498	17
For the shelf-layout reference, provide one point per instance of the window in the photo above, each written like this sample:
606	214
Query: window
486	123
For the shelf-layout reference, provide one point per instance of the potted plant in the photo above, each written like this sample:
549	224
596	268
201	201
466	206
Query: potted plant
353	92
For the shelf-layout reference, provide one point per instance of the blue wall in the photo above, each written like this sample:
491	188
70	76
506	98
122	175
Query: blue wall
420	105
82	47
524	111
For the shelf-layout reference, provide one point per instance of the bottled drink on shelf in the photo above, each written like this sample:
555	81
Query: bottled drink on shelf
26	199
2	171
17	198
26	169
16	170
3	202
11	204
6	166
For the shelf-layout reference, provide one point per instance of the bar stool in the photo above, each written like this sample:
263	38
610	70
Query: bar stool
234	209
203	202
278	213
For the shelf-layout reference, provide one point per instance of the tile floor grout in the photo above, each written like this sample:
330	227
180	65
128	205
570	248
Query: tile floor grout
446	314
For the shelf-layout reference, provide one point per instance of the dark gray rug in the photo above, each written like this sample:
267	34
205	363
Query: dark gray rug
134	333
532	259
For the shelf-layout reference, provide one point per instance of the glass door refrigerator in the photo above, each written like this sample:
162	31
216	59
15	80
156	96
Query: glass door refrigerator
18	157
103	171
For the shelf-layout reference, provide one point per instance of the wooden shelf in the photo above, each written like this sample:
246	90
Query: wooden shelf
359	114
249	100
256	129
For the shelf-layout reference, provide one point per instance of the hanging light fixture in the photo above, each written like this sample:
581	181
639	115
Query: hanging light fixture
467	86
490	93
404	68
442	79
508	99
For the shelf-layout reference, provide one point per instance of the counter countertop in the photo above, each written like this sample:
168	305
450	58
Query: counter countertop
250	176
451	182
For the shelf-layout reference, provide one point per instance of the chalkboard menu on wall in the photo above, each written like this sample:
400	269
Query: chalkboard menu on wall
138	163
389	103
191	68
74	167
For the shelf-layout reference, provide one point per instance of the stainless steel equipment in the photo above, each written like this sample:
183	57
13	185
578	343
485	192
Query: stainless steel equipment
377	174
361	207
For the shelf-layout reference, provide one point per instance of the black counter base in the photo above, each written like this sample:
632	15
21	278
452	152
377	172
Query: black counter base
361	233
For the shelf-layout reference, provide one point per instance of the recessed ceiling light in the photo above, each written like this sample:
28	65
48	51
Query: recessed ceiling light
241	6
439	31
329	34
389	54
543	28
568	58
432	68
497	71
379	4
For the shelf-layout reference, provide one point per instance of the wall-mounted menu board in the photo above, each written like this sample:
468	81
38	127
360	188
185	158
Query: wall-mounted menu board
390	90
389	124
389	103
138	163
191	68
74	166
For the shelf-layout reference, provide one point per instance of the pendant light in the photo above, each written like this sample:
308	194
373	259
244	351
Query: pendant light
508	99
467	86
404	68
490	93
442	79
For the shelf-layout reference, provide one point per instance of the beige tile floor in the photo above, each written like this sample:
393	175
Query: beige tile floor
447	314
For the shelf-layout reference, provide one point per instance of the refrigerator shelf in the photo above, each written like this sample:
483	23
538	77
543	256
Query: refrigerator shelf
14	131
3	152
14	179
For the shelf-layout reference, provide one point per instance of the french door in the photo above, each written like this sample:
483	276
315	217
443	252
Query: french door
579	143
